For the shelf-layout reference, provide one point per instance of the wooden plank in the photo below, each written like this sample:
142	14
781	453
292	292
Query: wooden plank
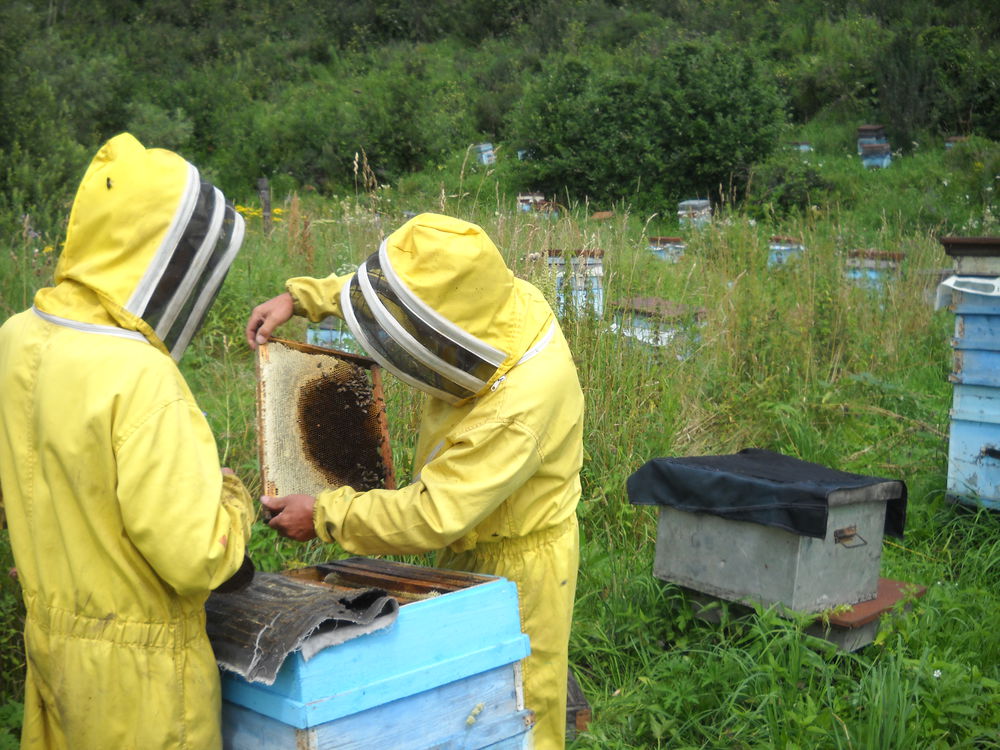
476	712
889	593
393	576
433	642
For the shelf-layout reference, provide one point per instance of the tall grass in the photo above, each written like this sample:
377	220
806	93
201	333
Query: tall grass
796	359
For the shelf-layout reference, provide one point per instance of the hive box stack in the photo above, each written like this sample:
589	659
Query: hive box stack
445	674
758	527
973	294
873	147
580	288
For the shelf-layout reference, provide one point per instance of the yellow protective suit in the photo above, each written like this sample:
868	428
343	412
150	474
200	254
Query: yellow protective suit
120	519
499	483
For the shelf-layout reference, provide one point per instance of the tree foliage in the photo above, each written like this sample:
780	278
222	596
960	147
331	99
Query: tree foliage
670	97
654	127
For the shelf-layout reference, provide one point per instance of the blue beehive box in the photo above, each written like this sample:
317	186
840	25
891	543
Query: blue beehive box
974	432
694	213
870	135
580	288
876	155
485	153
784	249
977	333
670	249
445	674
331	333
658	323
974	446
870	269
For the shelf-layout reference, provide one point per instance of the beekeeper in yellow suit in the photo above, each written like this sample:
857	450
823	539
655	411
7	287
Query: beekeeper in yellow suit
500	443
121	521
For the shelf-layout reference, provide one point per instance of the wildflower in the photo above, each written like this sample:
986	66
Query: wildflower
48	249
937	674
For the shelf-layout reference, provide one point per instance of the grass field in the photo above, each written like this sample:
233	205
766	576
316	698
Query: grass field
797	359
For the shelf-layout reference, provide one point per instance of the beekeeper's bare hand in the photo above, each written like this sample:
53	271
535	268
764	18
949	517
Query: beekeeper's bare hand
266	317
291	515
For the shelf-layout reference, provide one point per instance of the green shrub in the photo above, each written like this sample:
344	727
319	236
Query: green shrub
645	125
788	182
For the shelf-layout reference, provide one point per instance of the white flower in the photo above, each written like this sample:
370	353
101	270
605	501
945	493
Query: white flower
937	674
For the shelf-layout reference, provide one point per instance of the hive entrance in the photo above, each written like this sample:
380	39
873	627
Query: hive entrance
321	420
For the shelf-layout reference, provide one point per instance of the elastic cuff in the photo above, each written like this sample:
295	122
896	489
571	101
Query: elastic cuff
297	308
323	529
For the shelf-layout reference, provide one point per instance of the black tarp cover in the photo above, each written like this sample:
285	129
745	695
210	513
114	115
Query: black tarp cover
758	486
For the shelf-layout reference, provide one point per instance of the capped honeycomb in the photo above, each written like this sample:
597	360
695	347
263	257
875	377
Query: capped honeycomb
321	420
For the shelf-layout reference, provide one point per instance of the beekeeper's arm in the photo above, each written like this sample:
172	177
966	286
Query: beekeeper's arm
311	298
454	493
189	520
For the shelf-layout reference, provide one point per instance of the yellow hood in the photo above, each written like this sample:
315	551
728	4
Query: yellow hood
437	305
150	239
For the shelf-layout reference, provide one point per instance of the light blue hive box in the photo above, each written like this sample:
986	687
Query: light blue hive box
974	432
446	674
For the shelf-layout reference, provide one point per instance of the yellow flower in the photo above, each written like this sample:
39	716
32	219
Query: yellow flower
48	249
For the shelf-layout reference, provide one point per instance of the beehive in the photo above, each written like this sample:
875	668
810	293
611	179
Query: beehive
657	322
445	674
782	250
761	527
974	433
580	287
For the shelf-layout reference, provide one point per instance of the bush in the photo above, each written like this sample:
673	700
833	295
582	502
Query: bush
786	183
652	128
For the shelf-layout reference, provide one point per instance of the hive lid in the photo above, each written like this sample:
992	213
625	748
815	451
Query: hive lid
321	420
980	247
764	487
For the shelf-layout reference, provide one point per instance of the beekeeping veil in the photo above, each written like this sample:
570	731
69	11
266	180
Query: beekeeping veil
437	306
152	239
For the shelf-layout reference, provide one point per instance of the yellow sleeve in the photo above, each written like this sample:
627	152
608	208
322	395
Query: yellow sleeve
468	479
189	522
317	298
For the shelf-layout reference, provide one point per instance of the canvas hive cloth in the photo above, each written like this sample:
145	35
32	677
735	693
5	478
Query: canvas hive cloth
252	630
761	487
